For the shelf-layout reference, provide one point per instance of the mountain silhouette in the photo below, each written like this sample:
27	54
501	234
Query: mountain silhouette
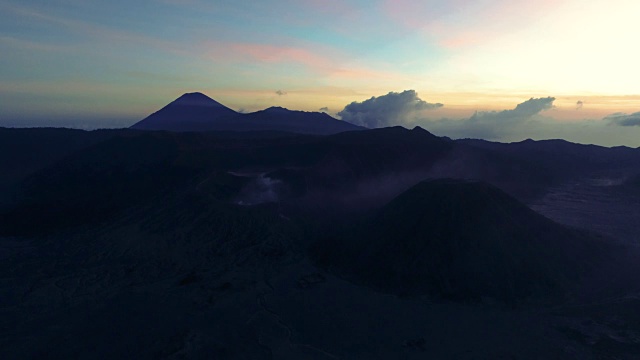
563	157
197	112
330	241
463	240
281	119
189	112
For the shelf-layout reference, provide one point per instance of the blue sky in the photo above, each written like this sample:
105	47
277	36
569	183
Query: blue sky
97	63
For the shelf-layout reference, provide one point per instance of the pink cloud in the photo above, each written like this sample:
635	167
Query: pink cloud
325	62
462	39
282	54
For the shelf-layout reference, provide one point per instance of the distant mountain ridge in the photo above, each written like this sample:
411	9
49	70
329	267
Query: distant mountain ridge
197	112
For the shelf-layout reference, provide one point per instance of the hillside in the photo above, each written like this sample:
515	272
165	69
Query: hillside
465	240
159	244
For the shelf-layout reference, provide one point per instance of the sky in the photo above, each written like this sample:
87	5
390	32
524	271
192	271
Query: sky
503	70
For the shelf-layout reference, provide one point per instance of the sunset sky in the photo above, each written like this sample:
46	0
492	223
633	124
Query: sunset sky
95	63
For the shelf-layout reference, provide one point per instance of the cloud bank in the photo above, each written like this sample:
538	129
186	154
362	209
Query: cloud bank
623	119
387	110
495	125
527	120
523	111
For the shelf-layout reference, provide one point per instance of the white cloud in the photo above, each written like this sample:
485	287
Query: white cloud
387	110
495	124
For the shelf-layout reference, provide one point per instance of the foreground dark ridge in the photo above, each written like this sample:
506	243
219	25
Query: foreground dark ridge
251	245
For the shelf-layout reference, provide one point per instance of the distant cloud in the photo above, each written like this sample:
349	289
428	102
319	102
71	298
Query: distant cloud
623	119
523	111
281	93
495	124
387	110
579	104
324	109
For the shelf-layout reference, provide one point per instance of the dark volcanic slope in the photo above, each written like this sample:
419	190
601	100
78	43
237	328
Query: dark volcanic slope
26	151
462	240
634	182
147	245
197	112
92	185
132	168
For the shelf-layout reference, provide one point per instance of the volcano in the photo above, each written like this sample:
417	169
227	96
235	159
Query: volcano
190	112
464	240
196	112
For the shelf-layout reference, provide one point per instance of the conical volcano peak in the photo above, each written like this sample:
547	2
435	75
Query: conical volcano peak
195	99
